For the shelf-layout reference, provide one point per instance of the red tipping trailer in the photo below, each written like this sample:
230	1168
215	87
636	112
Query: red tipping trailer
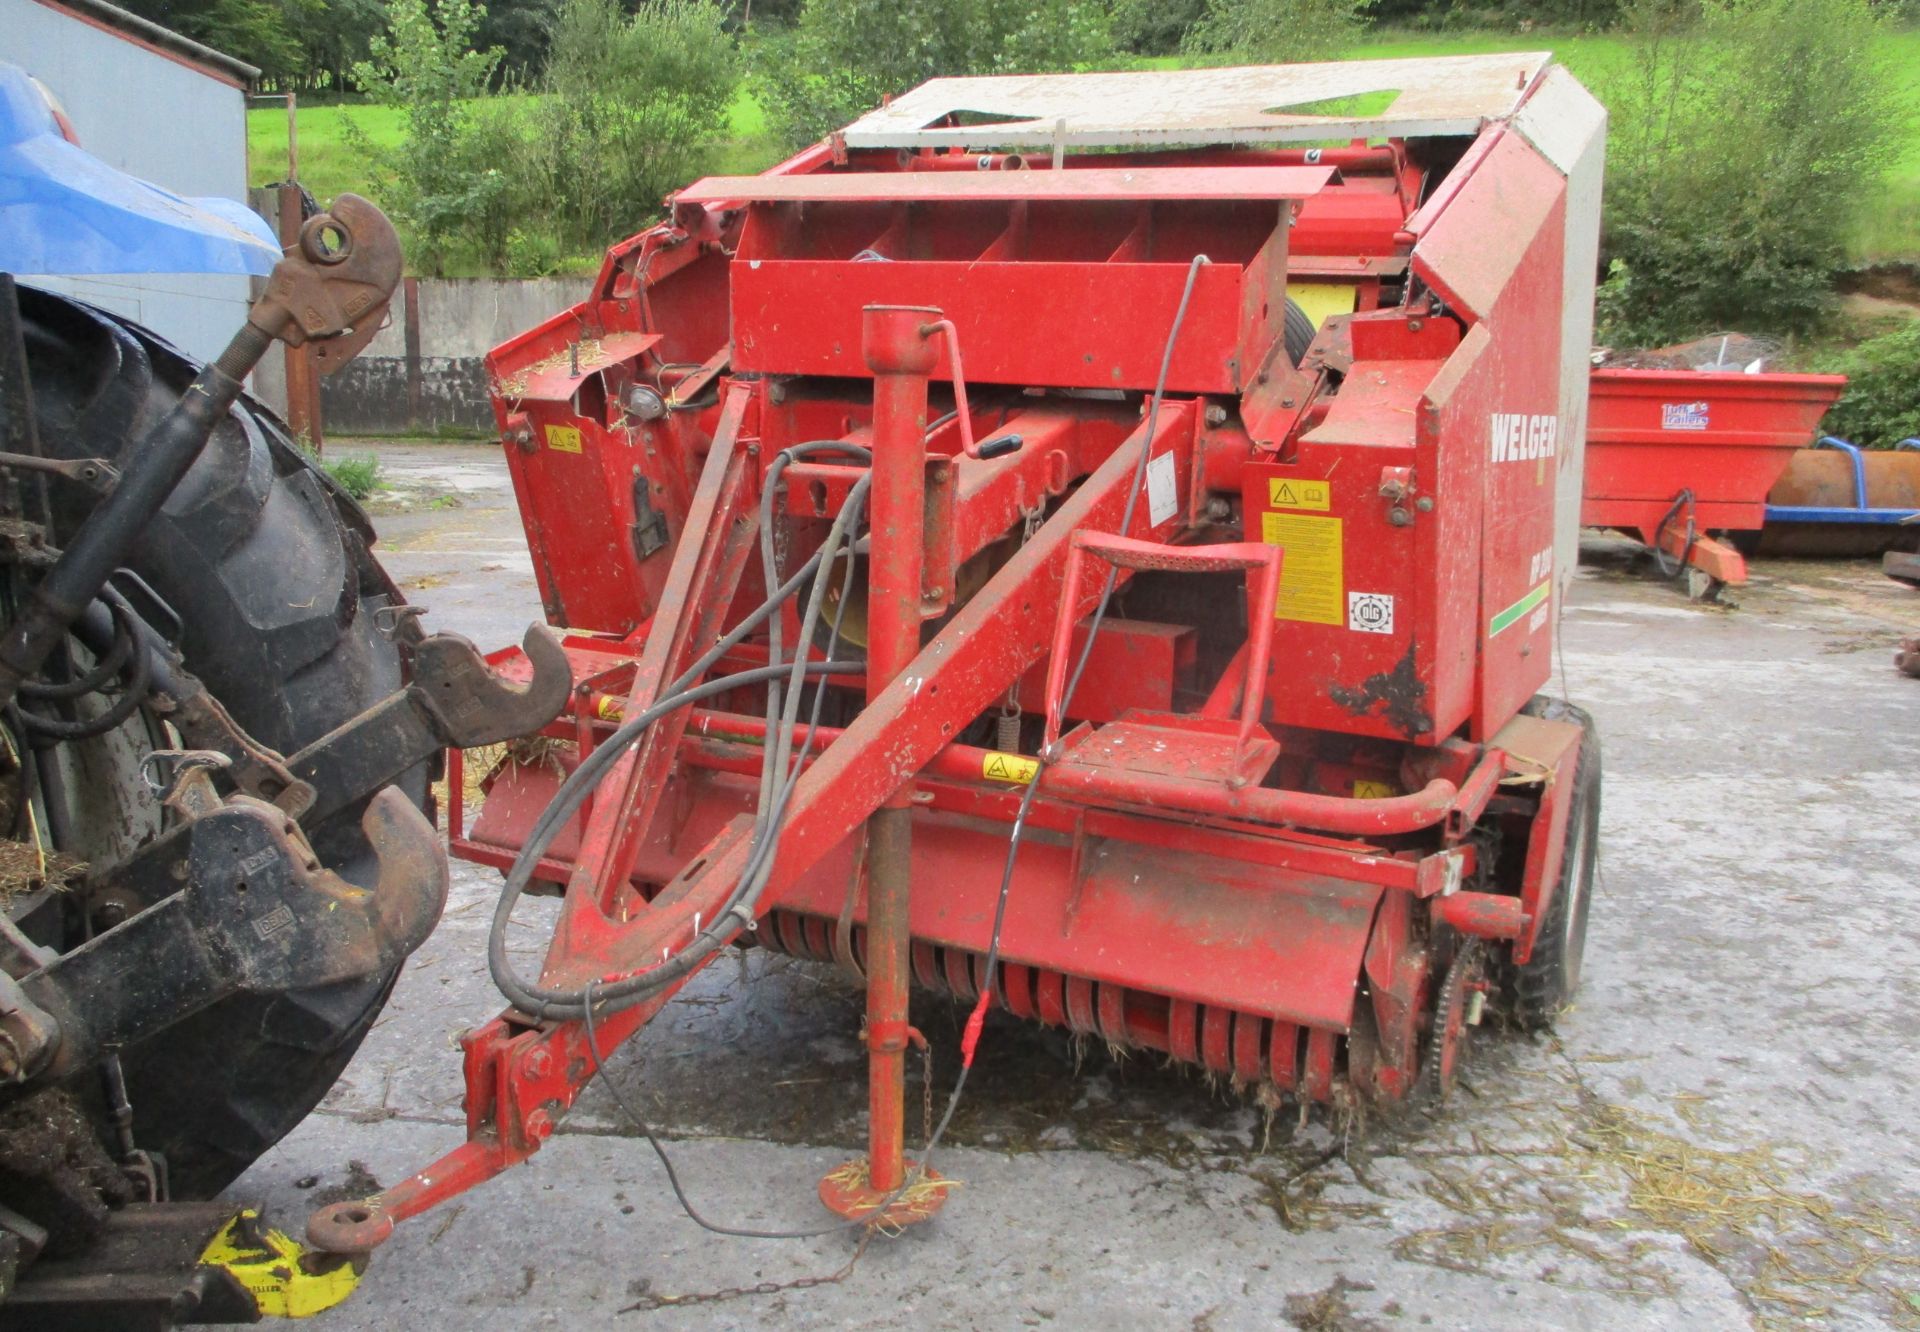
1100	562
1674	456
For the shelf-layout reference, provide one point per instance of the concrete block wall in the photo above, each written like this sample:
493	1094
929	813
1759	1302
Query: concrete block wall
441	384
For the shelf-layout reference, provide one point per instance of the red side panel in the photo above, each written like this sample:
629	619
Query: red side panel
1368	639
1513	287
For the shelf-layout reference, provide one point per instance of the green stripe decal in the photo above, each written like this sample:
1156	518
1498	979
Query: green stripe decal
1519	608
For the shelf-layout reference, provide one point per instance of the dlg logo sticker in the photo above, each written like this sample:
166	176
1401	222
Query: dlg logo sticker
1370	612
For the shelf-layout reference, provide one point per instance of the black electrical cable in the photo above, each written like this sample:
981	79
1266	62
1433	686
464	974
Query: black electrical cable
990	973
784	780
771	770
106	668
620	1100
534	1000
125	706
1669	567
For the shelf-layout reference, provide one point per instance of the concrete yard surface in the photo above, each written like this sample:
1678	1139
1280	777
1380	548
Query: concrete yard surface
1719	1136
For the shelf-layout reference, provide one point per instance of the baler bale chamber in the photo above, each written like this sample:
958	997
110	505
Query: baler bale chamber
1151	495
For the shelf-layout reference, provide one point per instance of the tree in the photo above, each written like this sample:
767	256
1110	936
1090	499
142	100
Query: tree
256	31
520	29
445	181
633	106
1740	131
1276	32
1153	27
334	36
844	56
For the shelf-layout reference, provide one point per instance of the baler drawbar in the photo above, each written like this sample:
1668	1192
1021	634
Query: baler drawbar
1097	556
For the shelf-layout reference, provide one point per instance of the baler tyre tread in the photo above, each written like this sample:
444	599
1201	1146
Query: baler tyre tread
1296	332
1539	990
267	562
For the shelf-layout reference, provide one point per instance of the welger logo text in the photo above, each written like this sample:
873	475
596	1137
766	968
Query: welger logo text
1518	437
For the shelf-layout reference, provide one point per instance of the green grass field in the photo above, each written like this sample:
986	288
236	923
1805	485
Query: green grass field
1887	215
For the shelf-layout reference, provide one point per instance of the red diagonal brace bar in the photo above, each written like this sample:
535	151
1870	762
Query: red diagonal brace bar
707	563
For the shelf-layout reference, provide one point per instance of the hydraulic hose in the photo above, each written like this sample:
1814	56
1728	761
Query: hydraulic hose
736	912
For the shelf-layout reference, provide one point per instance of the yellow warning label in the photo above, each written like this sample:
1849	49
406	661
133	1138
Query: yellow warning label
1366	790
610	708
1288	493
1311	574
1016	768
563	439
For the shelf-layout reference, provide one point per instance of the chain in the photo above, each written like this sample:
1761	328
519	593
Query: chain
649	1302
926	1097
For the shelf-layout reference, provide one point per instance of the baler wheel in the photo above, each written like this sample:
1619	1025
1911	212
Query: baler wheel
1461	991
1540	989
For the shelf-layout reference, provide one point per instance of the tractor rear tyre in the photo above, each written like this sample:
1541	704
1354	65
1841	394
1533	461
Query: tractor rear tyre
1541	988
265	563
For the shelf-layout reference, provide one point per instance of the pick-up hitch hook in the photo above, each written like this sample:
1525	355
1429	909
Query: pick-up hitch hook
456	700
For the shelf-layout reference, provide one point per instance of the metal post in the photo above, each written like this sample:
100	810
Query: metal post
410	326
303	380
899	348
901	356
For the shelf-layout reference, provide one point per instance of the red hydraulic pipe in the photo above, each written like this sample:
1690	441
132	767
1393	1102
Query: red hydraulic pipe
1322	813
1257	804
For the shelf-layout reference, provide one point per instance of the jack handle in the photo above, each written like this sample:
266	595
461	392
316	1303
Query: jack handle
998	447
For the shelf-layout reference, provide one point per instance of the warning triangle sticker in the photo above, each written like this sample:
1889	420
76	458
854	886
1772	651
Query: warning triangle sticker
997	767
1285	495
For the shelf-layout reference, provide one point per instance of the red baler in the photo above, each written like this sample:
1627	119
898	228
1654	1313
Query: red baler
1090	544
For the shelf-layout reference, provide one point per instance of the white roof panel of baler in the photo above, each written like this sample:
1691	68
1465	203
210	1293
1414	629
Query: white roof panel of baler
1253	104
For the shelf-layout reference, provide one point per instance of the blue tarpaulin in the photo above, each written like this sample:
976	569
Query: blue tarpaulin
65	212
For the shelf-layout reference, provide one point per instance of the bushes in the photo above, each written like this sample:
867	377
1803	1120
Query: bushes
1740	134
1881	406
632	107
357	473
844	56
444	182
1275	31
